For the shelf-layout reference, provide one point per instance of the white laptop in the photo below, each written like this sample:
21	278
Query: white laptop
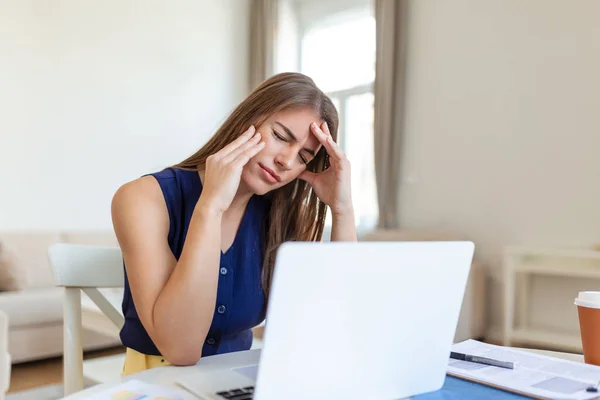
366	320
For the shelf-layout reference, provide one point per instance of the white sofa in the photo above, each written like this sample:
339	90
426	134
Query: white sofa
471	321
5	361
29	297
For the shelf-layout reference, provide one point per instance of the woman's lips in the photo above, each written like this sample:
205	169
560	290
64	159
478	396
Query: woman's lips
269	174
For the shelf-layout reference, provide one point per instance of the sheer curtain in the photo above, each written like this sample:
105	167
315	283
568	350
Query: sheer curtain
390	76
264	15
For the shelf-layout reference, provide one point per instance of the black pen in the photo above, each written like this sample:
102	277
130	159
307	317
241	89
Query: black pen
481	360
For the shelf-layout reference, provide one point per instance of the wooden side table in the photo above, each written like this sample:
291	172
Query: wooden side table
526	262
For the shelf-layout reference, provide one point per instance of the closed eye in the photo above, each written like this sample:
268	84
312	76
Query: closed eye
283	139
279	137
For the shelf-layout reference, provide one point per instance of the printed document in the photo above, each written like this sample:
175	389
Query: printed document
533	374
137	390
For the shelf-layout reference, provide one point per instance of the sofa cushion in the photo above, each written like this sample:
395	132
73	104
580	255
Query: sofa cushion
12	277
33	307
45	341
31	254
3	333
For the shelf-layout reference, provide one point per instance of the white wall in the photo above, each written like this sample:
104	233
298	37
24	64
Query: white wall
503	127
93	94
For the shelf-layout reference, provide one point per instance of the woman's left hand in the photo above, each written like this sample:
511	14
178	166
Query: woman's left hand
332	186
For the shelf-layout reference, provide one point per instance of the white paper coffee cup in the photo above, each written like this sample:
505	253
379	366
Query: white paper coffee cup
588	310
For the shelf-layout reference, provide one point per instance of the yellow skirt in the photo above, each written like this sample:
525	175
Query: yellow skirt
137	362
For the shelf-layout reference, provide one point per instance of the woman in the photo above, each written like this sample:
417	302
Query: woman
199	239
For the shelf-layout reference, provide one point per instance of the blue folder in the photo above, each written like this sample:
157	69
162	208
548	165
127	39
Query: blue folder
455	389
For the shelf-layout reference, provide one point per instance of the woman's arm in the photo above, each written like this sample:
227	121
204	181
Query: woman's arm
343	228
332	186
175	300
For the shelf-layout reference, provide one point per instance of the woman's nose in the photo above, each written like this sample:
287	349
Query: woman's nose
285	161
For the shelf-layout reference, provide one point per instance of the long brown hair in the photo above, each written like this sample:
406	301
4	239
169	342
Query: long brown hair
295	214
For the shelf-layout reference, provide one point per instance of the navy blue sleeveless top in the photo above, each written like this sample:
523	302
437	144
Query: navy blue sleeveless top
240	301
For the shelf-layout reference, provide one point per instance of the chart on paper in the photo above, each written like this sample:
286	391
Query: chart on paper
136	390
129	395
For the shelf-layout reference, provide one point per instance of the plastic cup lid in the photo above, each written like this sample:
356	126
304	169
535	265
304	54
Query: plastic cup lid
588	299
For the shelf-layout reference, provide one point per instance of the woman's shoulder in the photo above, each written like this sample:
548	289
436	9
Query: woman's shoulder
134	204
172	187
168	179
143	191
138	212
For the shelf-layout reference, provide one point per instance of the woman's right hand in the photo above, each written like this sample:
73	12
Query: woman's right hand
223	170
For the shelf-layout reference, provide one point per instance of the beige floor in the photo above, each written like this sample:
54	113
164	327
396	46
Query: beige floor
46	372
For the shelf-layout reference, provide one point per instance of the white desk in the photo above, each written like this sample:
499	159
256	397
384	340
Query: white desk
168	375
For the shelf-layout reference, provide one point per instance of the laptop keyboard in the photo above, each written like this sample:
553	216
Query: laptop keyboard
238	394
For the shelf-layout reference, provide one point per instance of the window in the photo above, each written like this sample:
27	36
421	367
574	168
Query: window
340	56
338	52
